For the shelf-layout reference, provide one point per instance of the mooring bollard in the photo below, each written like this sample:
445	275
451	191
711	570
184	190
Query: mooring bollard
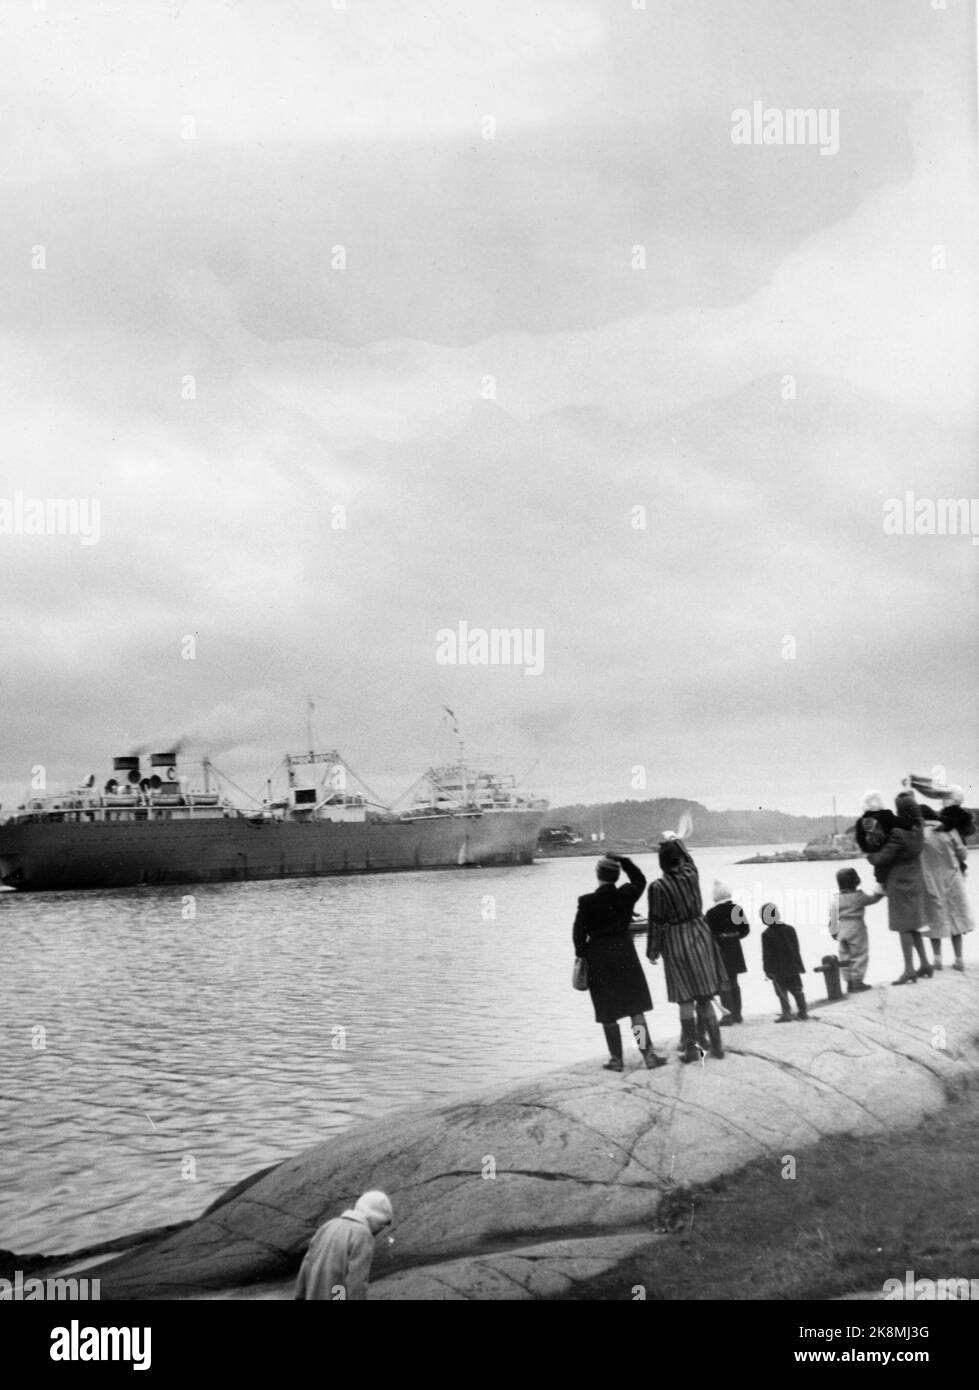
831	969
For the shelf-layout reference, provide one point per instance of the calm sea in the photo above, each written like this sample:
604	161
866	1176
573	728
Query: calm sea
151	1059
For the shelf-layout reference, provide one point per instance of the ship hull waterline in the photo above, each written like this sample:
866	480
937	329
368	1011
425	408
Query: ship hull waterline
41	857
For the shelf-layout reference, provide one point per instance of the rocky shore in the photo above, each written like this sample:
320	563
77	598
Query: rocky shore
528	1191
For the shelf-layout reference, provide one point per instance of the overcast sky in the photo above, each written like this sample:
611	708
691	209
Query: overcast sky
489	383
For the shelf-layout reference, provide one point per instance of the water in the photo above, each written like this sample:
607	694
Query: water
180	1055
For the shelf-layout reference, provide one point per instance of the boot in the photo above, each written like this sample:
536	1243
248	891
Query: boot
736	1003
803	1014
691	1052
613	1039
713	1030
646	1050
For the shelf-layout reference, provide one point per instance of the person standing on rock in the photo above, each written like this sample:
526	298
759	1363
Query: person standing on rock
692	961
782	962
944	859
730	926
898	866
602	938
849	929
337	1264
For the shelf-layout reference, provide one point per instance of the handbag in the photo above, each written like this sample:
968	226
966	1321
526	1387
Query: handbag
579	974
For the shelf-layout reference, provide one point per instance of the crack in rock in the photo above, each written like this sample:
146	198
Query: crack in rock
605	1138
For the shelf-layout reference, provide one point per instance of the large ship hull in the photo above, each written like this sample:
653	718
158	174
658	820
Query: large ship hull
38	856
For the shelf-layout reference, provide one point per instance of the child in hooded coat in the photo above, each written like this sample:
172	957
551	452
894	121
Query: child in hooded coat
729	924
338	1262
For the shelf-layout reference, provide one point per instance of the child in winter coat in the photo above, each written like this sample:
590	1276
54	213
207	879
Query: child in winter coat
874	825
337	1264
848	928
782	962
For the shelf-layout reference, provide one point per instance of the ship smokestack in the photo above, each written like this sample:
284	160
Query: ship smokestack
128	769
163	769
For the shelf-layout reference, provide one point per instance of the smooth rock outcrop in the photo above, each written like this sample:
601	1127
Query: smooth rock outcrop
506	1194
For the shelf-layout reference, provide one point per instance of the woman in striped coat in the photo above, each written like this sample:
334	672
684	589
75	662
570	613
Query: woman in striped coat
691	959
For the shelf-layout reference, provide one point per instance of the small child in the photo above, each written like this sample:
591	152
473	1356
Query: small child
782	962
848	928
874	825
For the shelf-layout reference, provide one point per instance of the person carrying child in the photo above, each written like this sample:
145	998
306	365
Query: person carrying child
782	962
848	928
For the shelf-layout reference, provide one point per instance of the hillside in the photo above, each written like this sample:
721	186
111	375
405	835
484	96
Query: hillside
641	822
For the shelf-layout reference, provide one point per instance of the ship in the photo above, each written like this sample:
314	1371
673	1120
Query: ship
146	825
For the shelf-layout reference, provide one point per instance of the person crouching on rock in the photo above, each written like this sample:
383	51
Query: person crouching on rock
730	926
337	1265
691	957
782	962
602	938
848	928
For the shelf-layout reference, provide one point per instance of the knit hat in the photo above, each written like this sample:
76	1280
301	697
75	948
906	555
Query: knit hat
721	891
907	807
607	868
873	801
955	796
376	1208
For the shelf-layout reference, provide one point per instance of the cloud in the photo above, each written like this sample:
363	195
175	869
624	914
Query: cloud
123	82
488	390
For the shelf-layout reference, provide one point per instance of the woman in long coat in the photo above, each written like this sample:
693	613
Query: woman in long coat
691	958
898	865
602	937
943	865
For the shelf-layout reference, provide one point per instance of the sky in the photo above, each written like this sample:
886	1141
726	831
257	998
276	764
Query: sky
358	322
